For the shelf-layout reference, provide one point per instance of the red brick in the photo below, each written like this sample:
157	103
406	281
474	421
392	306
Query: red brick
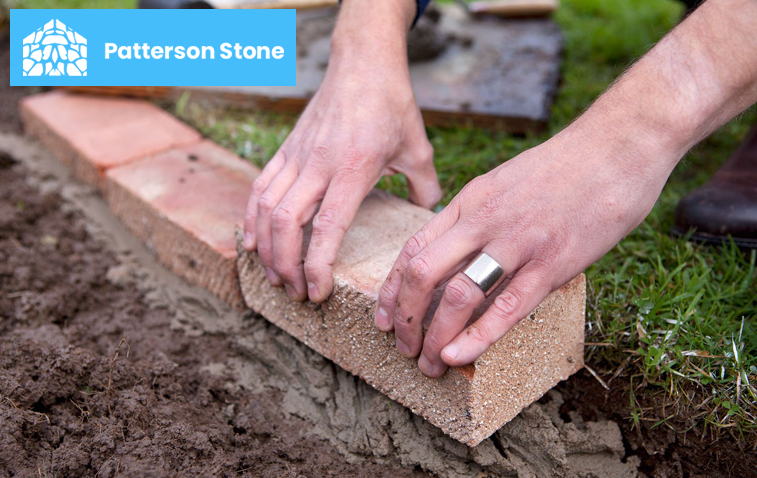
92	134
184	203
467	403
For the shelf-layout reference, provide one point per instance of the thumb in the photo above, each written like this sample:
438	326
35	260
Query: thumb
423	185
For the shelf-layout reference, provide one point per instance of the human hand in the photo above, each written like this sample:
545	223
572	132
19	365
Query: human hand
544	216
362	124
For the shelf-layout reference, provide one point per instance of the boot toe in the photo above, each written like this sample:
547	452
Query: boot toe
715	211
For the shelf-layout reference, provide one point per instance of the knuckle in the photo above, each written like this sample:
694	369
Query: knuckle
390	289
259	185
425	152
458	293
432	343
283	217
506	305
478	333
286	272
418	271
313	269
415	244
402	326
267	202
327	220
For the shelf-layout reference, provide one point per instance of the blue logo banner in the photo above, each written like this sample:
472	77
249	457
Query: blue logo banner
245	47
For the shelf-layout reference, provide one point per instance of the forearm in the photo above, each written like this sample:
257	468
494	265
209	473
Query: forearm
373	31
697	78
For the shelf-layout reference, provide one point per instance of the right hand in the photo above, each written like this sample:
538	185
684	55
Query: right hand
362	124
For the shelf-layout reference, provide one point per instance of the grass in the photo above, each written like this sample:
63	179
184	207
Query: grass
674	321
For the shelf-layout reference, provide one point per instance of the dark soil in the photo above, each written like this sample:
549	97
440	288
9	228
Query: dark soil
665	451
94	382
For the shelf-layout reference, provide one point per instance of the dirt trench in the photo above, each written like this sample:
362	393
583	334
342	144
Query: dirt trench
111	366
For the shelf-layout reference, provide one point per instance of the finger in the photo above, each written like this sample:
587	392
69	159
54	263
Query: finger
292	214
268	201
423	185
387	301
338	209
461	297
258	187
525	291
425	272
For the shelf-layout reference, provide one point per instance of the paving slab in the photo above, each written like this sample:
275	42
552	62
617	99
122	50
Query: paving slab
92	134
184	203
468	403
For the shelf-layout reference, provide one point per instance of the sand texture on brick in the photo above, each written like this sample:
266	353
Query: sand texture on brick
184	204
91	134
468	403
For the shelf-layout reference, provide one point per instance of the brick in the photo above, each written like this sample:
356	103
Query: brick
92	134
184	204
467	403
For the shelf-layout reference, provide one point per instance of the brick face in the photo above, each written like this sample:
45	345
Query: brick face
184	203
467	403
92	134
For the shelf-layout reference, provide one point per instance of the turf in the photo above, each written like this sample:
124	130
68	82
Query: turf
671	321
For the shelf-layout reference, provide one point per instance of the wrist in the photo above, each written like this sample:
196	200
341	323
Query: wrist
370	31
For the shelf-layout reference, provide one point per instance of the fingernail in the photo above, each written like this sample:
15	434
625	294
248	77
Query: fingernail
312	291
425	365
272	277
402	348
451	351
291	292
382	318
247	240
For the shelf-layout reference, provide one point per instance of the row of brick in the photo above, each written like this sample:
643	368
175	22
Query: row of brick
180	194
183	196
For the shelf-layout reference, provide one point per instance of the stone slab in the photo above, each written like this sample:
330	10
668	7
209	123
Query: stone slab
92	134
184	204
468	403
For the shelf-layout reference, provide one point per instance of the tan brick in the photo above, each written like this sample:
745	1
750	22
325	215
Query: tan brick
184	203
92	134
467	403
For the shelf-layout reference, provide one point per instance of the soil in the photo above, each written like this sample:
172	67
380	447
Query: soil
94	381
111	366
679	449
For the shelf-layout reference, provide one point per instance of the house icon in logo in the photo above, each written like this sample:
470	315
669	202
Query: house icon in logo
55	50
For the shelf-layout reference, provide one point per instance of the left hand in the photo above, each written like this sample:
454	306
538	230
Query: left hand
544	216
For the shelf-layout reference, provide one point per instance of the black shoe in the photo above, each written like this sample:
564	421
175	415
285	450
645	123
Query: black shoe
726	205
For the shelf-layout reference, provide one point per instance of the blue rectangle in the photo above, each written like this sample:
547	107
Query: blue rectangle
111	34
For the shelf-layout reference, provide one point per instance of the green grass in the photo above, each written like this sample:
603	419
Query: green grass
675	321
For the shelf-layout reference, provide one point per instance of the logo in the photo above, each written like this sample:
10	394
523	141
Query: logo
153	47
55	50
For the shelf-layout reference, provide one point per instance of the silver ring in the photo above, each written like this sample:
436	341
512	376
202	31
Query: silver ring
485	272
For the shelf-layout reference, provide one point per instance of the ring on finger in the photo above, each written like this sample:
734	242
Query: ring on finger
485	272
